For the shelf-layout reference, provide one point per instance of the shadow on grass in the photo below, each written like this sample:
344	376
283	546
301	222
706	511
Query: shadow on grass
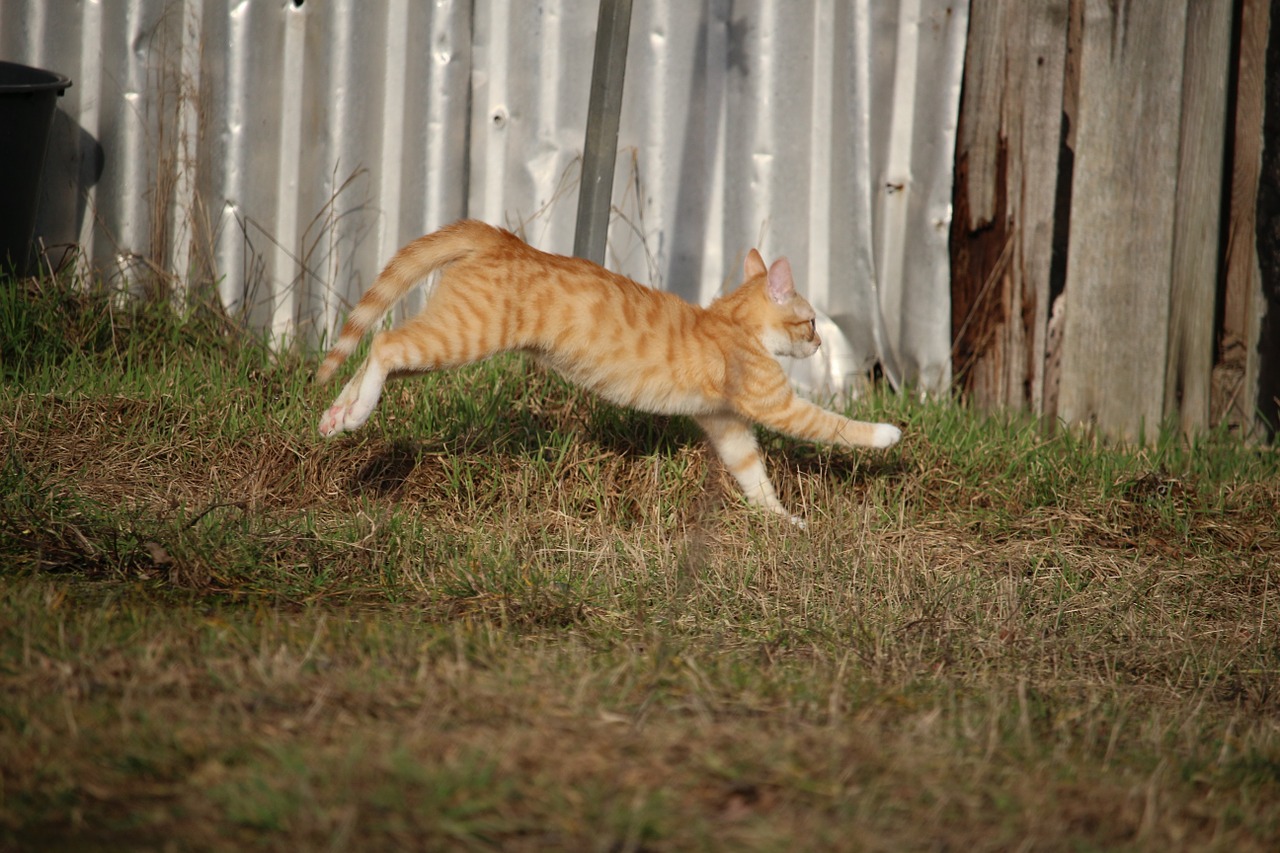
528	437
385	473
525	436
852	467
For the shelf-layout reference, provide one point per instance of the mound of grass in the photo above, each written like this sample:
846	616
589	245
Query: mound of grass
506	614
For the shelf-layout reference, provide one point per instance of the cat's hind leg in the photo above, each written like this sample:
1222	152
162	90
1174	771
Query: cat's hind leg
394	351
439	337
735	443
356	401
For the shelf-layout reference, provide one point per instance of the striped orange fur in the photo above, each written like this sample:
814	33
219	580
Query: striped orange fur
630	344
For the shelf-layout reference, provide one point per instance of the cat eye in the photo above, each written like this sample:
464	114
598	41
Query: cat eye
813	327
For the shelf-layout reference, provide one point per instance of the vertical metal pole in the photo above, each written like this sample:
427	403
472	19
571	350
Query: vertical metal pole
600	150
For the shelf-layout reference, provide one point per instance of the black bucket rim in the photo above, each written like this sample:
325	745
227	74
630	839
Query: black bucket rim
45	81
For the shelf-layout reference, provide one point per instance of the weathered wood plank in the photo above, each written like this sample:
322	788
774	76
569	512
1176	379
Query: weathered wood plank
981	219
984	86
1006	184
1235	377
1045	36
1052	385
1267	349
1116	331
1197	218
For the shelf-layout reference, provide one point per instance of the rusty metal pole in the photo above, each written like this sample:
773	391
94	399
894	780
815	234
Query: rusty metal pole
600	151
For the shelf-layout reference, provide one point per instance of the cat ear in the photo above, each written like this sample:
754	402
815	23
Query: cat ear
754	265
781	286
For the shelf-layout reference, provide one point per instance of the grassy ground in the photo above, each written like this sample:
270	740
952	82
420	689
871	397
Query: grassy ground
506	615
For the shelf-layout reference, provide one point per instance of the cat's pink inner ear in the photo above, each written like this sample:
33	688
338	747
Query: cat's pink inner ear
781	286
754	265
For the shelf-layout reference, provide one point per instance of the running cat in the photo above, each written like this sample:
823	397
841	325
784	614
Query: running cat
633	345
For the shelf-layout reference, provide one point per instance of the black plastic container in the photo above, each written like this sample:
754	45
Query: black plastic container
28	97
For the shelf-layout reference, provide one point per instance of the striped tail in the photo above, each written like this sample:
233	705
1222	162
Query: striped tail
407	268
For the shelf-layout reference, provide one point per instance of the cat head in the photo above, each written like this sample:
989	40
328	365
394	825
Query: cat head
787	320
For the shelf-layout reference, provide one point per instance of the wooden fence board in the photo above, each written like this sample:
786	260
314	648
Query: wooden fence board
1235	376
984	90
981	219
1045	35
1115	337
1006	184
1193	287
1089	223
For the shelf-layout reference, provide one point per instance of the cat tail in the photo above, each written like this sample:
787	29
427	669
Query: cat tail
409	266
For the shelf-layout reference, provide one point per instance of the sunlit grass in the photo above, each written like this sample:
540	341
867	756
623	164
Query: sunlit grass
507	614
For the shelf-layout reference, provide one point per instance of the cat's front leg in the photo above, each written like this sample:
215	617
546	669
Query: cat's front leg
735	443
802	419
356	401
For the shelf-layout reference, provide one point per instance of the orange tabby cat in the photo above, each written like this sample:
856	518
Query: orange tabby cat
630	344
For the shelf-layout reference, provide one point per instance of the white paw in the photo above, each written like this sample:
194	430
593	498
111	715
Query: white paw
885	435
354	405
344	417
333	421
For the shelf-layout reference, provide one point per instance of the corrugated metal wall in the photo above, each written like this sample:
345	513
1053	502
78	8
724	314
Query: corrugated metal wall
285	148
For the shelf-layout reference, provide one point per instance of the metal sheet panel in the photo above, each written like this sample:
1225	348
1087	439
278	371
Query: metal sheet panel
284	149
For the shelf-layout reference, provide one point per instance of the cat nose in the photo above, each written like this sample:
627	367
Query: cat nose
817	340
